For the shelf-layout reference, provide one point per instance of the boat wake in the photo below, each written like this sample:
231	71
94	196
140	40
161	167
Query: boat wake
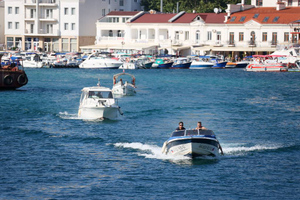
66	115
154	151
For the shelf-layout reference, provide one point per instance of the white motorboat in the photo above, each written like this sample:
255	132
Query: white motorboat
101	62
121	88
267	63
32	61
192	143
201	62
98	103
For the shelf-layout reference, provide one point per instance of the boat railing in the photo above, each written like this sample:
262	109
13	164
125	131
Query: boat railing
205	132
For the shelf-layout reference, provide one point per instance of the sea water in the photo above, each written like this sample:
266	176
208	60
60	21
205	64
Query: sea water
47	152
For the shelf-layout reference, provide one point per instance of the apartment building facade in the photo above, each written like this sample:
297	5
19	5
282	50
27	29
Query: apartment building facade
2	38
56	25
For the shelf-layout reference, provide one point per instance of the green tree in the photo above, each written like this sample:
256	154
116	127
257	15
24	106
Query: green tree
200	6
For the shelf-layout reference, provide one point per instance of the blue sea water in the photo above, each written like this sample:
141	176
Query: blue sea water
47	152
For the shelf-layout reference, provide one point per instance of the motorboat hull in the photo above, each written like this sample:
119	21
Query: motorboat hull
93	113
192	146
266	68
219	65
101	65
181	66
201	65
124	90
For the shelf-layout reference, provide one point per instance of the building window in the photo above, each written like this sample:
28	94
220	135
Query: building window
232	19
242	19
209	35
9	25
186	35
10	42
31	28
290	2
219	36
255	16
66	11
110	33
17	10
65	44
274	38
73	44
241	36
28	44
9	10
266	19
286	36
49	13
231	38
49	28
17	25
66	26
73	26
264	36
119	33
55	44
18	42
275	19
121	2
103	12
32	13
298	2
197	36
258	2
73	11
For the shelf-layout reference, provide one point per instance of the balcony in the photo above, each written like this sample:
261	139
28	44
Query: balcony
218	44
231	44
251	43
41	32
274	43
41	2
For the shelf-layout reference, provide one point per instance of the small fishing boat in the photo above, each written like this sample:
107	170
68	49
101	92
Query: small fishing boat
162	63
267	63
181	63
12	74
192	143
98	103
121	88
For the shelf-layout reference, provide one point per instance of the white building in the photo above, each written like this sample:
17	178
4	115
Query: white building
243	29
56	25
2	39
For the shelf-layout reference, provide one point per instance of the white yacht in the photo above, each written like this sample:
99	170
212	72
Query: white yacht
192	143
32	61
123	88
101	62
98	103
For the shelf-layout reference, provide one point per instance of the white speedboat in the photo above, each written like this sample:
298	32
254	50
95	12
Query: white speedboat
121	88
101	62
202	62
98	103
192	143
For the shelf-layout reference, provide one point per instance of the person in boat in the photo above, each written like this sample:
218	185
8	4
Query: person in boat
200	127
180	126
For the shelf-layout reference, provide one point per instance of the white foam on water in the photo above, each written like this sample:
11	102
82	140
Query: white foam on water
154	151
149	151
66	115
241	149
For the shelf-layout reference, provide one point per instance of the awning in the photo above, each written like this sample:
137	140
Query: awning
212	48
177	48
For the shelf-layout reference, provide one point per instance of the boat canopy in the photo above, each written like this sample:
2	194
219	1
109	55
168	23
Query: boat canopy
116	76
205	132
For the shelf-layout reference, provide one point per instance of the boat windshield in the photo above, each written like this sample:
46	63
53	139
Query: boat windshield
100	94
192	132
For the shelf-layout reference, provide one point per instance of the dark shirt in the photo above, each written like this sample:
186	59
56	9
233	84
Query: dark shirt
177	129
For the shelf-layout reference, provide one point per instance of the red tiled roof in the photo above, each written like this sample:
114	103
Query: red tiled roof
123	13
286	16
154	18
185	18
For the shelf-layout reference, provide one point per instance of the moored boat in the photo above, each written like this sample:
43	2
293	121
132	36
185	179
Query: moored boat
161	63
201	62
12	74
181	63
192	143
266	63
100	62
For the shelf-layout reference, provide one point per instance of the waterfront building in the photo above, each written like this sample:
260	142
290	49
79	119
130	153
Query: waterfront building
244	29
56	25
2	40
